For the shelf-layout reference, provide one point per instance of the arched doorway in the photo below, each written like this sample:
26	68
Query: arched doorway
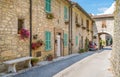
104	39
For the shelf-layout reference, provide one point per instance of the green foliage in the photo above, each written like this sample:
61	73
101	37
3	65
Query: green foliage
86	44
81	51
35	60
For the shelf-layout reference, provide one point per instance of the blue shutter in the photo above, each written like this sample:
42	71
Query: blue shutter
76	40
48	6
65	12
65	39
47	40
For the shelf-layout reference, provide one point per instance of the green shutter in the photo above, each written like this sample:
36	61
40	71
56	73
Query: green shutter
48	6
65	12
76	40
47	40
65	39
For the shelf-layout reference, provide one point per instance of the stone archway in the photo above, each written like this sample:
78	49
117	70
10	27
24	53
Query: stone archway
107	41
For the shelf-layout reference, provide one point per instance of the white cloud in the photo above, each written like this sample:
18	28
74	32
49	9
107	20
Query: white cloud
109	10
102	9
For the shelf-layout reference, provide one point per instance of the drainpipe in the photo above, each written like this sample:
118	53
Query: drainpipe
70	29
71	26
69	48
30	10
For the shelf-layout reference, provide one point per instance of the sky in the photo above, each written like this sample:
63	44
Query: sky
96	6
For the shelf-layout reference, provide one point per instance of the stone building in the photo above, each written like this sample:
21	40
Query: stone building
81	27
54	27
11	14
103	28
115	57
51	25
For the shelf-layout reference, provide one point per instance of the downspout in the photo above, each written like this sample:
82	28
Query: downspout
30	9
69	29
71	26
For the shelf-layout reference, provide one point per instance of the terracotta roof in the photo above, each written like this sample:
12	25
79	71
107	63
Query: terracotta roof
103	16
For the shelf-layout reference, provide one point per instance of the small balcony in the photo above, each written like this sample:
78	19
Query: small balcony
83	27
66	21
49	15
77	24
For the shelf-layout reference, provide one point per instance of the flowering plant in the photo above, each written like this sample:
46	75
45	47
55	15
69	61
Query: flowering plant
24	33
37	44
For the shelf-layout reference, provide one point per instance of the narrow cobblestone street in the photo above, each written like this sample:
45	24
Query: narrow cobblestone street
90	64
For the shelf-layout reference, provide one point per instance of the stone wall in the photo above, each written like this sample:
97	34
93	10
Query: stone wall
115	59
42	24
11	46
79	31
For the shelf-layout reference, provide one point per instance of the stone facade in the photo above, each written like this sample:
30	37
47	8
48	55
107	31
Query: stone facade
55	25
11	46
12	12
115	58
80	28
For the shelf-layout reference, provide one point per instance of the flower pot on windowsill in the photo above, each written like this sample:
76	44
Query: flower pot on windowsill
66	21
88	30
49	15
91	31
83	27
78	25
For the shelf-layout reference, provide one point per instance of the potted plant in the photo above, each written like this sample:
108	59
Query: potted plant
37	44
81	51
88	30
77	24
34	61
49	57
24	33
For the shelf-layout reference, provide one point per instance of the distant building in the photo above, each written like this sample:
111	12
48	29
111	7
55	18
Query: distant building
103	28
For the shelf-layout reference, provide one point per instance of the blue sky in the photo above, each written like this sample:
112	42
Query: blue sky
94	6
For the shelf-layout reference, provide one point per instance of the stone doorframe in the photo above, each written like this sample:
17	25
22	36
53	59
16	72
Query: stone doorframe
58	31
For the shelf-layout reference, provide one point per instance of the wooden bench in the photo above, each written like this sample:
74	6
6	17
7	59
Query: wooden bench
12	63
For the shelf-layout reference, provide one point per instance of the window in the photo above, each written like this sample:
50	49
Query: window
47	40
48	6
20	24
82	21
65	39
103	24
76	40
76	18
87	24
65	13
